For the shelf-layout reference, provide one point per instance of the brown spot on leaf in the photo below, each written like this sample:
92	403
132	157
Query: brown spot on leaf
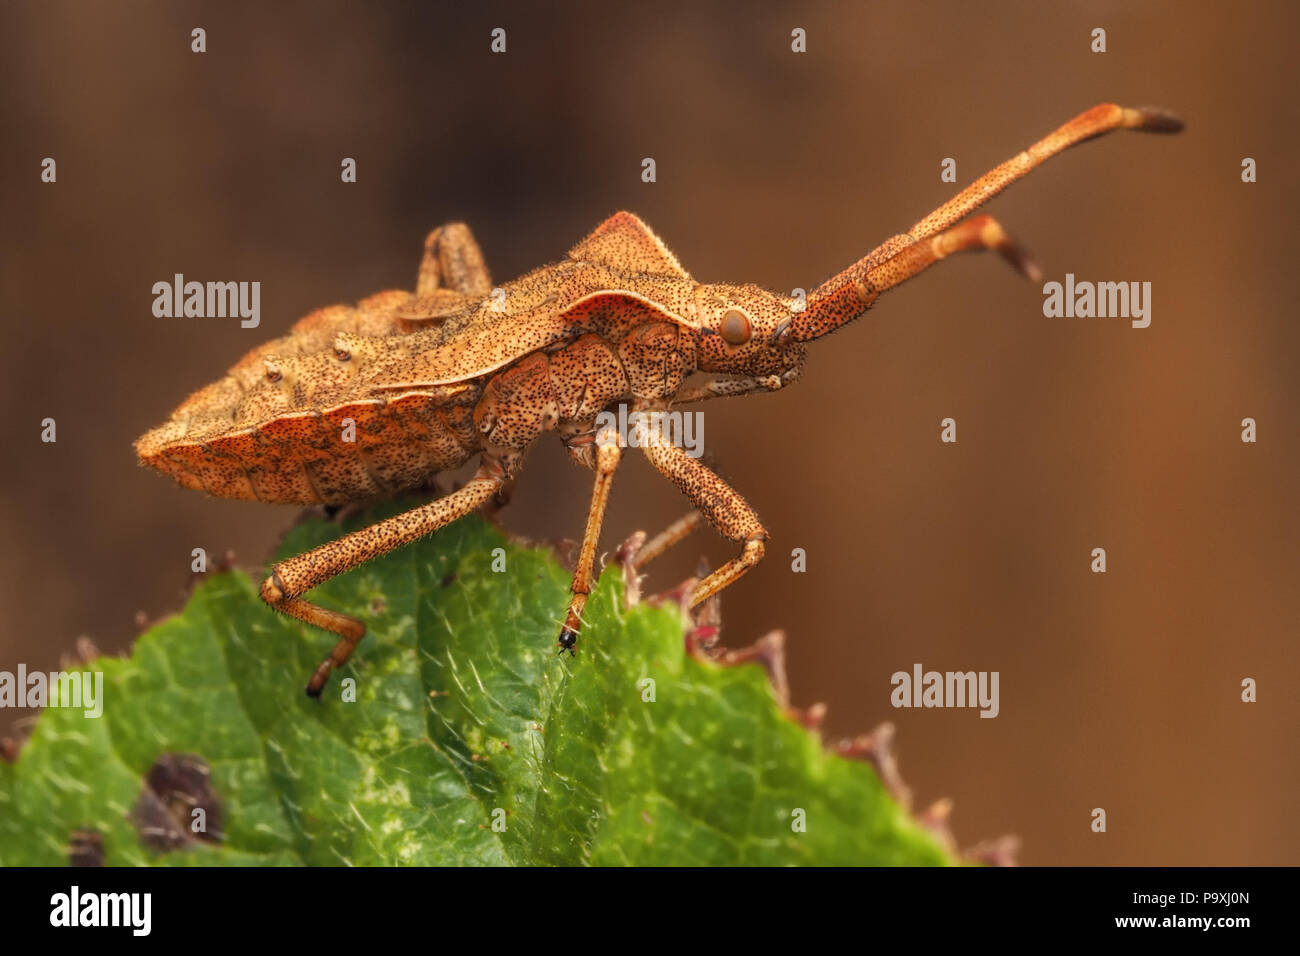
86	848
177	807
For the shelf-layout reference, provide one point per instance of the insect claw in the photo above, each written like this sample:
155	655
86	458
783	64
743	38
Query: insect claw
568	640
318	680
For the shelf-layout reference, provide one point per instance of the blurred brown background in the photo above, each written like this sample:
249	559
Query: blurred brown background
1118	691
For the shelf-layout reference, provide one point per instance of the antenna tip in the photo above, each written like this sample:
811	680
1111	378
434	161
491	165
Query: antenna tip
1151	119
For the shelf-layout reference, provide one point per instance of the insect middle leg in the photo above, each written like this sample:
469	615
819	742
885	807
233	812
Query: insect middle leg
721	505
608	454
290	579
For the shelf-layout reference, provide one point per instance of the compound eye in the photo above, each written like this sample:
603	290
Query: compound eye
735	328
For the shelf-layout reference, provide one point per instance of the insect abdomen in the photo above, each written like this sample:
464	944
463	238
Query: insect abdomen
353	451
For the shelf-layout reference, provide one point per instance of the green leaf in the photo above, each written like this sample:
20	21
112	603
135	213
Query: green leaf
464	717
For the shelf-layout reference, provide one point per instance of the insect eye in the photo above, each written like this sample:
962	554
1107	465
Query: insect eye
735	328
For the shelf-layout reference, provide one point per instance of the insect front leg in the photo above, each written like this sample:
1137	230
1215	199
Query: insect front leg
290	579
453	260
732	386
721	505
608	454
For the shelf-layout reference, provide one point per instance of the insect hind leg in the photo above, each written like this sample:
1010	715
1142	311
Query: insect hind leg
453	260
349	629
292	578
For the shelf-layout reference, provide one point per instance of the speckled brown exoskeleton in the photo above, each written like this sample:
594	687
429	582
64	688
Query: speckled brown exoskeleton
458	369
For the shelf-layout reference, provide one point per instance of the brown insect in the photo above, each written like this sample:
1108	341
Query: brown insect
421	382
